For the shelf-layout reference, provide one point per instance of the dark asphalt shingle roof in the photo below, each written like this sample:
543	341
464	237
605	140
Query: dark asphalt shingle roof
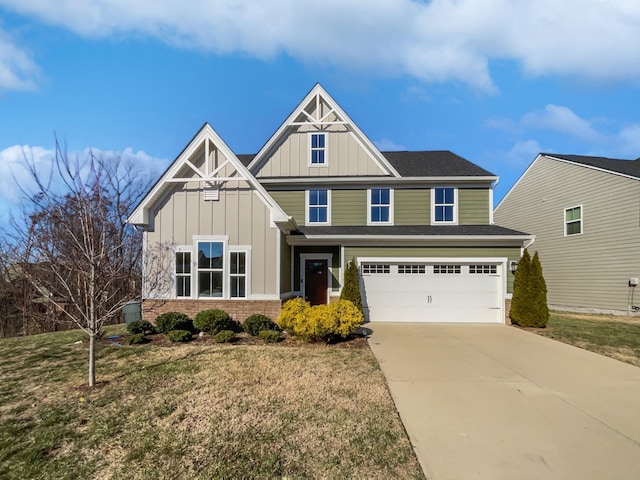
436	163
491	230
626	167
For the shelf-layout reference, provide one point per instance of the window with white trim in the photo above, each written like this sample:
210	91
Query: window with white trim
183	274
380	205
411	269
573	220
318	150
238	274
210	269
483	269
446	269
318	206
444	205
369	268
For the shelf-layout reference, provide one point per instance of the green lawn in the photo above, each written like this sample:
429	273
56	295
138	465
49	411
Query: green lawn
196	411
616	337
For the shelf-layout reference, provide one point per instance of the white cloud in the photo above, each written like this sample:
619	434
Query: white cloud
437	41
386	145
564	120
628	141
521	154
17	70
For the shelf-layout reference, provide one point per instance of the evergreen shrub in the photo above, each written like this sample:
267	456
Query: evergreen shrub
256	323
179	336
351	287
173	321
213	321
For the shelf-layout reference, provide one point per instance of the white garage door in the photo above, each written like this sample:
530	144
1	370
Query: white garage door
444	291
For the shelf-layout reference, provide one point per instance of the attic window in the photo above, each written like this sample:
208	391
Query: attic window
211	193
318	149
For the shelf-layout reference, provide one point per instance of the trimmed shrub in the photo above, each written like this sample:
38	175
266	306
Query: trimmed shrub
256	323
224	336
529	301
140	326
179	336
137	338
321	322
213	321
351	287
270	336
173	321
292	311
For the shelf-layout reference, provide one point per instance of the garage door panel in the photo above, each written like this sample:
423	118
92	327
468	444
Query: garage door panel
433	297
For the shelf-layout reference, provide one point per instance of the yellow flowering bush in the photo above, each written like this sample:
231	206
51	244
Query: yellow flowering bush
321	322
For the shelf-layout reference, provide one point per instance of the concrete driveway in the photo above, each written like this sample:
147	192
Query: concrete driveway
494	402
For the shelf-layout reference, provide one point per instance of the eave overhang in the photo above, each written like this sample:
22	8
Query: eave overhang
413	240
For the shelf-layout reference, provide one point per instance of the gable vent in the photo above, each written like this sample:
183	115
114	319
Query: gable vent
211	193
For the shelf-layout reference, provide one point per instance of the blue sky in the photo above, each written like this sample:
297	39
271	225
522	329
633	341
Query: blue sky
496	81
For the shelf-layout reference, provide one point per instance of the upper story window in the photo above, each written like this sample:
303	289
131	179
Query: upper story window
318	151
380	206
573	220
445	209
318	210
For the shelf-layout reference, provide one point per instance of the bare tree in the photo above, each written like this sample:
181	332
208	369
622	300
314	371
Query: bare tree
79	256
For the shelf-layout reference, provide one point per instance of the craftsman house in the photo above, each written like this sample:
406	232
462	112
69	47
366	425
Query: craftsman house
585	214
244	232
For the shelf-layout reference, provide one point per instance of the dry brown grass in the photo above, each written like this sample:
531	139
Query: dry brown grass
206	411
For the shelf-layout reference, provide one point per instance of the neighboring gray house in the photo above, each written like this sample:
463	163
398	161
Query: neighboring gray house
244	232
585	215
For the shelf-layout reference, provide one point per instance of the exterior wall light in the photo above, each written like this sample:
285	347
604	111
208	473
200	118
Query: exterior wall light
513	265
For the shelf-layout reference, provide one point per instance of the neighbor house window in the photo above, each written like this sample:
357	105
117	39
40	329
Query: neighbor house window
380	205
573	220
318	149
444	205
210	269
238	274
318	206
183	274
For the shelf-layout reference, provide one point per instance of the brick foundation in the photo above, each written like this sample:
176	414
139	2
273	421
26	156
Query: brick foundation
238	309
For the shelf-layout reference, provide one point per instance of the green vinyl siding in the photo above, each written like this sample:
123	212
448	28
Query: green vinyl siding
348	207
473	206
292	202
511	253
412	206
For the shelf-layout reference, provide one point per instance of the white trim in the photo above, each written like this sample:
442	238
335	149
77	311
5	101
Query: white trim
278	260
342	267
306	207
316	256
480	182
174	283
224	239
246	249
391	203
325	149
259	296
418	240
564	220
456	201
491	221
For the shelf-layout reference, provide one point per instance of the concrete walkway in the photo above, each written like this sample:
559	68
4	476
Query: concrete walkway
493	402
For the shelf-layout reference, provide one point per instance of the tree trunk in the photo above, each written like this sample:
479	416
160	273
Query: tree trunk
92	359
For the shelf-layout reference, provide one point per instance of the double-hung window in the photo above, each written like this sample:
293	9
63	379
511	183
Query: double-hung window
444	205
380	206
183	274
318	150
573	220
238	274
318	206
210	269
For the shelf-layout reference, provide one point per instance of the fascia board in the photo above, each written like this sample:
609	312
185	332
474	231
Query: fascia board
378	180
454	240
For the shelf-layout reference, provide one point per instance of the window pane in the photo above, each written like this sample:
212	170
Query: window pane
448	214
384	196
183	286
238	287
210	284
210	254
448	195
439	195
322	214
322	197
242	267
183	262
573	228
237	263
384	214
375	196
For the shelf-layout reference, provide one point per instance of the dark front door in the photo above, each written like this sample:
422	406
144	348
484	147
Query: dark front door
315	279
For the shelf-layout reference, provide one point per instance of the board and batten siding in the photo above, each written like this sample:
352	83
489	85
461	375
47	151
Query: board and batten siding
588	270
511	253
473	206
345	156
239	214
412	206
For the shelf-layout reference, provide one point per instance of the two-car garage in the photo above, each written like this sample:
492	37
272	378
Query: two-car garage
443	290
